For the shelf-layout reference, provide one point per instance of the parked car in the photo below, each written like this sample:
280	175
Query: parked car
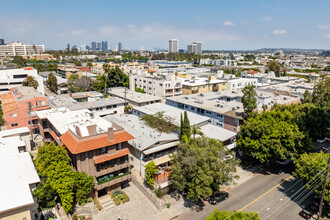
306	213
218	197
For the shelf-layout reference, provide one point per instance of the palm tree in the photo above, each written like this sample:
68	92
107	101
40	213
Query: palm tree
195	131
31	82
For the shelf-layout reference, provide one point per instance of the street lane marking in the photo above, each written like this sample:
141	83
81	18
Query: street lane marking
268	209
265	193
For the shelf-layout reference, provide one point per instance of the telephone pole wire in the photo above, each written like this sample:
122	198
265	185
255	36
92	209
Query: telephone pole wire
323	190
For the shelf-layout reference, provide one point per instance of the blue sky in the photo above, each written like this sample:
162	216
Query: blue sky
230	24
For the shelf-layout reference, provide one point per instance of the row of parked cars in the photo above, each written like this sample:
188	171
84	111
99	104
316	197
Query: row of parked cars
214	199
312	209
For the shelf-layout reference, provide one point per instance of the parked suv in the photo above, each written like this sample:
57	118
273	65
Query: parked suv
218	197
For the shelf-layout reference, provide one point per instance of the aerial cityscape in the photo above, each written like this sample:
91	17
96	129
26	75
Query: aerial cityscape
216	110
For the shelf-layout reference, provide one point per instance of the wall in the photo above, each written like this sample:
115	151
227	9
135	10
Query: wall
21	213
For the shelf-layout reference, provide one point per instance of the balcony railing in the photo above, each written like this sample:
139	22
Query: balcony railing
112	169
113	181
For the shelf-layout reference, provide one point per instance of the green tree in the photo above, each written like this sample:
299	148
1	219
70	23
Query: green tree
20	61
160	122
249	100
264	107
77	63
186	130
150	172
31	82
139	90
195	131
232	215
181	126
272	136
321	92
308	166
307	96
83	185
52	82
53	166
76	84
275	67
199	166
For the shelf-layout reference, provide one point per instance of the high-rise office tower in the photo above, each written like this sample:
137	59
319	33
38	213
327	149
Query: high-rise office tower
191	48
198	47
98	46
83	47
68	46
2	41
173	46
104	45
93	45
120	46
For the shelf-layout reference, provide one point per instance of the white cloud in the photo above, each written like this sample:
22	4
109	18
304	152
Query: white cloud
323	26
278	32
228	23
78	32
266	18
326	35
108	30
131	26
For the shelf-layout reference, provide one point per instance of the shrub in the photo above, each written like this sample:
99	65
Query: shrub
97	204
168	205
160	193
89	199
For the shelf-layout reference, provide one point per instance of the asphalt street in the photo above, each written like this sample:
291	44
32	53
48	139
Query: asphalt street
266	193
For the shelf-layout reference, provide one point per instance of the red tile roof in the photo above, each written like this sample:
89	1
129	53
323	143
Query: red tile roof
106	157
76	146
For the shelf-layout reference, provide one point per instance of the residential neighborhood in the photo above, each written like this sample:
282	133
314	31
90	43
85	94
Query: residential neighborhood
197	123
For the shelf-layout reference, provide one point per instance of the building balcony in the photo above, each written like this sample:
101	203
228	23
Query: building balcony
112	169
113	181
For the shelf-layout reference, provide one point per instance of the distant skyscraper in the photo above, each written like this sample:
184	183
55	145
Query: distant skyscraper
68	46
104	45
198	47
191	48
173	46
83	47
2	41
93	45
120	46
98	46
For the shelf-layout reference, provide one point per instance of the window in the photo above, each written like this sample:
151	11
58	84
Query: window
118	146
103	150
234	129
208	112
13	115
160	84
192	108
220	116
14	125
42	102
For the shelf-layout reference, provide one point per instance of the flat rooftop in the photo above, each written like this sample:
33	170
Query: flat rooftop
63	119
216	132
133	96
172	112
145	136
17	173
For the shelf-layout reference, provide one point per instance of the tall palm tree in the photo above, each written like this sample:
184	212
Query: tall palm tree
195	131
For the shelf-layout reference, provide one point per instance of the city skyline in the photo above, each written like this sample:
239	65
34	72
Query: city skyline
226	25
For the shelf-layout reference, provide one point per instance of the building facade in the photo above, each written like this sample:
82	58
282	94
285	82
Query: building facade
162	86
173	46
16	107
201	85
95	146
19	49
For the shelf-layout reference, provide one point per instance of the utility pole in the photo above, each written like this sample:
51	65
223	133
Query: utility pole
323	190
125	101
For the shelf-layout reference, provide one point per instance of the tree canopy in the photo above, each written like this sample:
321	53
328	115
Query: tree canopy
150	171
232	215
308	165
57	178
116	78
249	100
76	84
31	82
199	166
52	82
275	67
185	129
272	136
19	61
160	122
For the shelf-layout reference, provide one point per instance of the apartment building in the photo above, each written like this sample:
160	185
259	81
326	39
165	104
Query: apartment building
93	101
149	145
225	109
173	46
203	84
19	49
16	105
240	83
10	78
18	180
133	98
97	68
95	146
161	86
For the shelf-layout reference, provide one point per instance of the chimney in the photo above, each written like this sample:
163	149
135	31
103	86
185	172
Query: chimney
110	134
91	129
70	94
78	132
